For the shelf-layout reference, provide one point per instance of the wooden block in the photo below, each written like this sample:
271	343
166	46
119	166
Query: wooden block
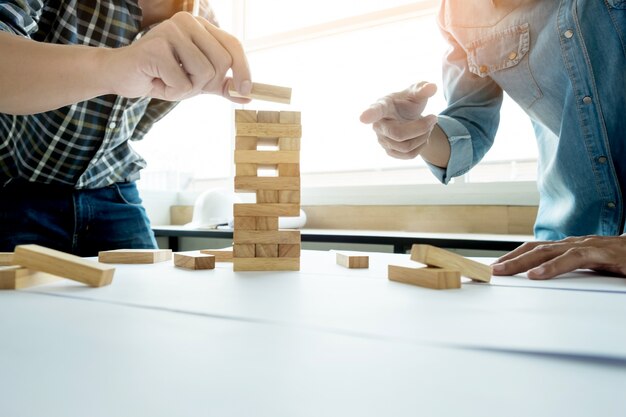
17	277
289	251
246	170
267	116
245	223
353	261
266	157
266	183
269	130
244	251
245	116
288	170
266	264
6	258
434	256
289	144
435	278
134	256
266	251
267	236
64	265
246	143
290	117
289	197
194	261
266	223
265	92
221	255
256	210
267	196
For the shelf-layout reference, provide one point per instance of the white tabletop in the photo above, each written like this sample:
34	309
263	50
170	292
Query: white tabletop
325	341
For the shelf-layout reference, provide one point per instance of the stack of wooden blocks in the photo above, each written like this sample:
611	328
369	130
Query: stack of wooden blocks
267	161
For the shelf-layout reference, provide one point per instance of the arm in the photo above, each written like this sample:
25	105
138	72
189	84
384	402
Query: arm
179	58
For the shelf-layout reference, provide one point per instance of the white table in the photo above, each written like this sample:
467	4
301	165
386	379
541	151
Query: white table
325	341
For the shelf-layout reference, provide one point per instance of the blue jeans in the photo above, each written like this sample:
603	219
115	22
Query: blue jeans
81	222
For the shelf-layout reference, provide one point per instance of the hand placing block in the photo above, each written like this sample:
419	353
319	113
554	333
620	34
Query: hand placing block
194	261
135	256
352	261
433	256
265	92
435	278
39	258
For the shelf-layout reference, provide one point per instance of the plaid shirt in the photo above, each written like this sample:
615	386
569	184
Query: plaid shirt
85	145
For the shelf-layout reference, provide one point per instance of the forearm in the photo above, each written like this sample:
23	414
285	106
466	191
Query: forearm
437	149
37	77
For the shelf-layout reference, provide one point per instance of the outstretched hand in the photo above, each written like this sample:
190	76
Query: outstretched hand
545	260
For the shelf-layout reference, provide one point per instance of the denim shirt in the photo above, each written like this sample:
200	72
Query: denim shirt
564	63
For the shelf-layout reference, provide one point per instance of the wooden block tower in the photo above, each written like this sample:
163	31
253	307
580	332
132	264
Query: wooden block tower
267	161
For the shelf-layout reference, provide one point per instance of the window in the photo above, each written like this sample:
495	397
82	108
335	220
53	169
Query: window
338	56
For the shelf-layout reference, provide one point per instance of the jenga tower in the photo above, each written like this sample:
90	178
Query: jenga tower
267	142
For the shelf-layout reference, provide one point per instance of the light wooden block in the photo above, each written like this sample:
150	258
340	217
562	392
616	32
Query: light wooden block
353	261
266	223
269	130
6	258
289	197
267	236
244	251
134	256
246	143
221	255
288	170
194	261
267	196
246	170
266	157
289	251
268	116
434	256
290	117
266	251
245	116
256	210
265	92
63	264
245	223
435	278
266	264
17	277
289	144
266	183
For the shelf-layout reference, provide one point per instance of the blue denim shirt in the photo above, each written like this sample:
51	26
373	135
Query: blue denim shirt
564	63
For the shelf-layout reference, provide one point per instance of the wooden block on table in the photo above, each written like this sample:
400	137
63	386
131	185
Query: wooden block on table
266	251
289	197
134	256
435	278
265	92
353	261
289	250
221	255
289	144
269	130
266	157
194	261
266	223
257	210
434	256
266	264
245	223
266	183
6	258
64	265
244	250
17	277
267	236
245	116
267	196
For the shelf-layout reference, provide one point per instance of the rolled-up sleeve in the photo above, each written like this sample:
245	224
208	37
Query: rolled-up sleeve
20	17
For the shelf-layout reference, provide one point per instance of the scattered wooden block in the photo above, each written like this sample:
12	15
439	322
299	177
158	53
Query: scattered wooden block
353	261
6	258
17	277
266	264
221	255
194	261
134	256
435	278
434	256
63	264
265	92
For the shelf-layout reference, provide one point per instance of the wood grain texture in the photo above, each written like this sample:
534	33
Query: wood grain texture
62	264
266	157
221	255
289	250
269	130
134	256
267	236
256	210
265	92
18	277
194	261
266	251
434	256
245	116
6	258
266	264
266	183
352	261
435	278
244	250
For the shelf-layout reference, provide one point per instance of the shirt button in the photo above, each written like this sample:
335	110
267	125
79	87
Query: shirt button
602	159
611	205
112	125
483	69
587	100
568	33
512	56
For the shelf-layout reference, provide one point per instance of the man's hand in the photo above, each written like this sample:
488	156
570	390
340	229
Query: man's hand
398	122
545	260
179	58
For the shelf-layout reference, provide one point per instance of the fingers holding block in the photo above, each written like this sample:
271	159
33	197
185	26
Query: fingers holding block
265	92
352	261
194	261
434	256
435	278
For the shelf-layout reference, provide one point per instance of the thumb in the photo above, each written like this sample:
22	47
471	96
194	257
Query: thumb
421	91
